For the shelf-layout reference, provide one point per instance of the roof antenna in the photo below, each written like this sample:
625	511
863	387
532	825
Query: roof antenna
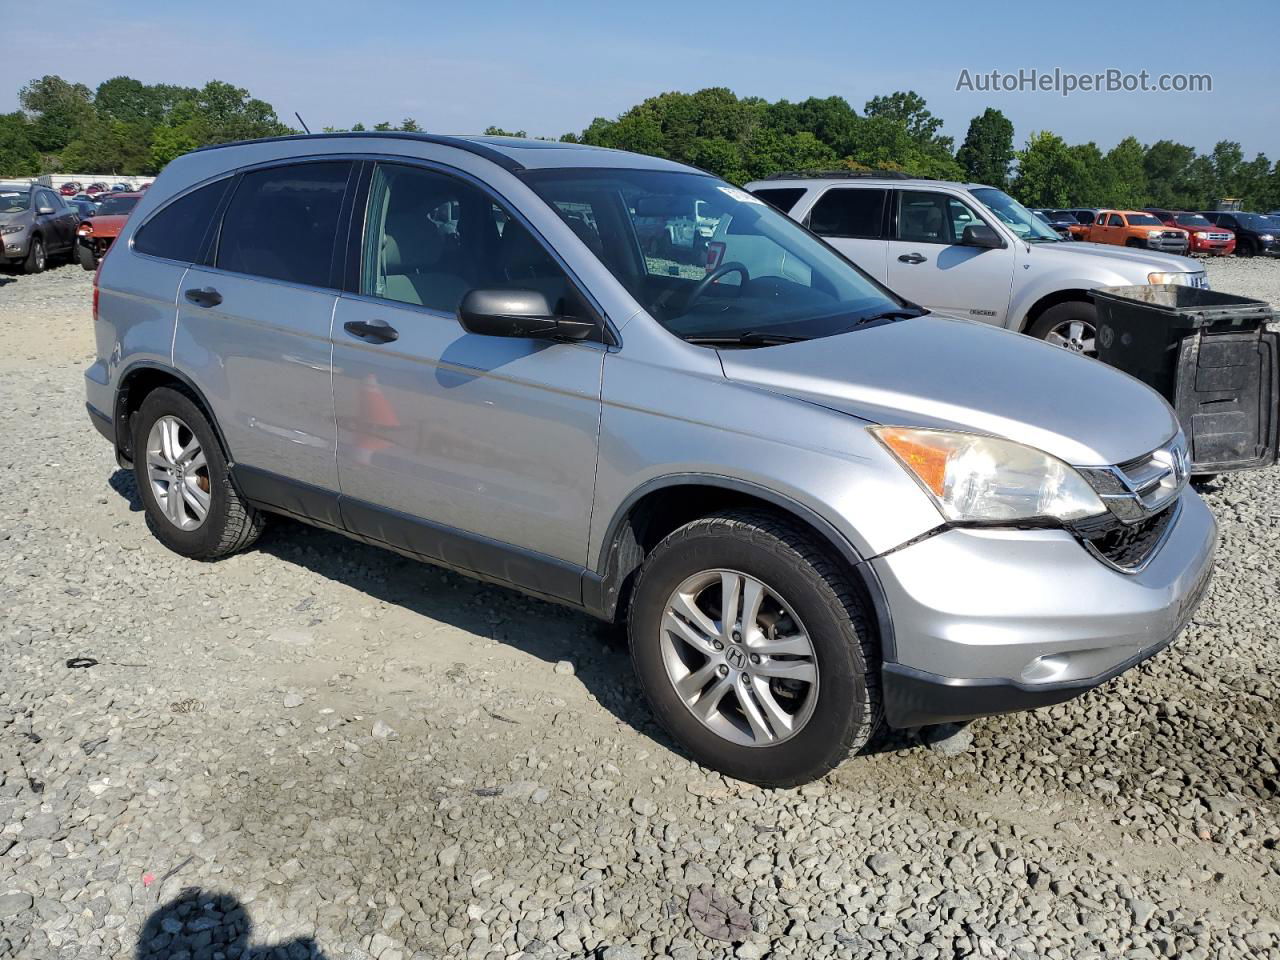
301	121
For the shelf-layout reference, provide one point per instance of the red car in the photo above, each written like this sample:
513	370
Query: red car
94	189
69	189
1205	237
97	233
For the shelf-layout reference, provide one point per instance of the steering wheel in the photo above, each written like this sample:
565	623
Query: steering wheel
733	266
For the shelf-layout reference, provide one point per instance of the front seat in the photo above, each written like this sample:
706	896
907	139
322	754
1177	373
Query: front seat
413	254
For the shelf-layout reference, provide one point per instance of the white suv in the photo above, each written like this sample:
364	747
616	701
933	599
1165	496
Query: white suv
968	250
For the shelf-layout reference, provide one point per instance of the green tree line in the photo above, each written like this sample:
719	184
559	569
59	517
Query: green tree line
132	128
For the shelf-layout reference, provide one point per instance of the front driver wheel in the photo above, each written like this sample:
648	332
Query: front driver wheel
755	650
1072	325
36	257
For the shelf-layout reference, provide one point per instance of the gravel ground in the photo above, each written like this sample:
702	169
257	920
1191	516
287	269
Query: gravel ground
320	749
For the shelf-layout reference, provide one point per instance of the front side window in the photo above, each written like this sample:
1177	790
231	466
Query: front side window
282	221
851	212
928	217
1114	220
429	238
710	262
178	231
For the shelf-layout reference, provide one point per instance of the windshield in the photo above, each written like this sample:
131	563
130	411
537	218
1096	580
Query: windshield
1143	220
14	201
116	205
1192	220
1015	216
710	261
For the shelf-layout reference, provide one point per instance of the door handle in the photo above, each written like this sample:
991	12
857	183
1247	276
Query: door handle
372	331
912	258
208	297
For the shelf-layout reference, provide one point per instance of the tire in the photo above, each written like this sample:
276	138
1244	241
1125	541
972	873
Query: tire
37	259
1245	248
1133	243
1072	325
228	523
838	714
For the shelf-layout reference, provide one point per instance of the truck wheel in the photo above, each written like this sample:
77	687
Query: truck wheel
1073	325
754	649
1244	248
36	257
191	505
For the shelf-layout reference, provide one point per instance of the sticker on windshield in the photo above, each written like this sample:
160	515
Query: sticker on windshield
740	195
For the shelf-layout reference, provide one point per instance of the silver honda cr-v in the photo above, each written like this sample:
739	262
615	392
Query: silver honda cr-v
821	510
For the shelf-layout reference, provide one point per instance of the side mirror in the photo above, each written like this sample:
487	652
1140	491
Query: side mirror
980	235
518	313
44	211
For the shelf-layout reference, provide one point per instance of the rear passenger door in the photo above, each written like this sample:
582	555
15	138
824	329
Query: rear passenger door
456	446
852	219
254	330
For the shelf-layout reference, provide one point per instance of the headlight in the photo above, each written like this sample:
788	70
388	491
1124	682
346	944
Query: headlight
1201	235
1266	236
1185	279
11	228
986	479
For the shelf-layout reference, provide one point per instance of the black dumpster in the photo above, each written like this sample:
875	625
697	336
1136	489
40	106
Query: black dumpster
1210	355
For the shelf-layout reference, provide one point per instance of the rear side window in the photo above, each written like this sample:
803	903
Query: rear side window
783	198
178	231
849	212
282	221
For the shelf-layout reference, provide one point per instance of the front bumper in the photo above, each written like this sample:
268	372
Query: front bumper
991	621
15	245
1166	245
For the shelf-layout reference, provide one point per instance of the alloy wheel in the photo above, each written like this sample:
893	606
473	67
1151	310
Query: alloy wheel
1078	336
739	658
178	473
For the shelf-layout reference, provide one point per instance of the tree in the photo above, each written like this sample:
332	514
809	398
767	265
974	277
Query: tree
1125	176
59	110
410	125
499	132
1048	174
1167	166
908	109
18	155
987	152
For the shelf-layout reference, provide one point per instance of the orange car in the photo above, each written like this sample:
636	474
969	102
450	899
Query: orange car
97	232
1134	228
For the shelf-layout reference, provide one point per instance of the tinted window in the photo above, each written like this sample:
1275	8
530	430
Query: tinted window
1114	220
282	221
178	231
784	198
849	212
430	238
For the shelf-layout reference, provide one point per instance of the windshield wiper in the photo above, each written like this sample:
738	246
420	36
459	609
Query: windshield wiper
897	313
752	338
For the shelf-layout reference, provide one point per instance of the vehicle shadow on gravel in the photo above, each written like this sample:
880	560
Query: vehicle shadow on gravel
198	923
125	483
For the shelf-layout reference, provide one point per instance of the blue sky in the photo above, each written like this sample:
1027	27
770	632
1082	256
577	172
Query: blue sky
550	67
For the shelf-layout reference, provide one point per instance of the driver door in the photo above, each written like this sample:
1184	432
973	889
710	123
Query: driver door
927	263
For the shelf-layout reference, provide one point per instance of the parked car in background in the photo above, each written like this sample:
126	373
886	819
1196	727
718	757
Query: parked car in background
820	511
36	226
121	188
69	189
1205	237
1256	235
97	234
144	186
94	189
1135	228
968	250
1060	220
85	209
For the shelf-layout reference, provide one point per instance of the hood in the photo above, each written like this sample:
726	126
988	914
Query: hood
108	226
17	215
936	371
1130	262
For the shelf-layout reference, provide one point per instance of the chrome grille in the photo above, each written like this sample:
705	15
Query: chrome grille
1141	488
1219	237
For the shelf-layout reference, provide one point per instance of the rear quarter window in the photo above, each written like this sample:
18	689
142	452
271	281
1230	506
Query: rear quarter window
849	212
782	198
179	230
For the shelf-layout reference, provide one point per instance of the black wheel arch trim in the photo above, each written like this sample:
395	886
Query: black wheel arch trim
600	590
120	418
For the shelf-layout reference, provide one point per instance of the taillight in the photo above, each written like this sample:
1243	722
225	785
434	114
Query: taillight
715	253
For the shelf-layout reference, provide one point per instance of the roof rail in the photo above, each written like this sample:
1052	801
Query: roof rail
843	175
462	143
